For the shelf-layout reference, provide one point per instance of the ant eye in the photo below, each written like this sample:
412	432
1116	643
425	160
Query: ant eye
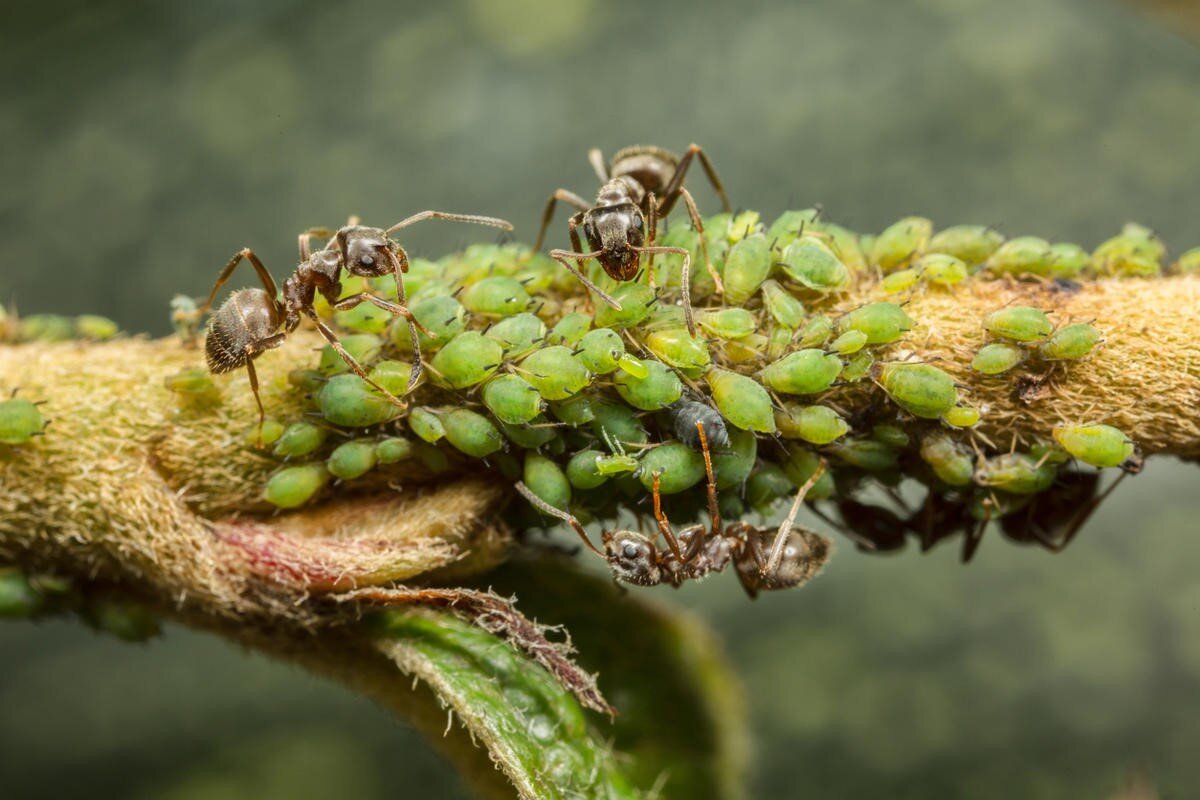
366	261
630	551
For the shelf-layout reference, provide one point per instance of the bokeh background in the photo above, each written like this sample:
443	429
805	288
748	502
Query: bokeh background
145	142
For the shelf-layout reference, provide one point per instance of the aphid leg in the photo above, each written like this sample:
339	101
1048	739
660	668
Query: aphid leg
548	214
421	216
694	213
686	282
714	512
664	524
350	360
546	508
306	240
651	235
596	159
562	256
246	253
399	267
671	193
785	527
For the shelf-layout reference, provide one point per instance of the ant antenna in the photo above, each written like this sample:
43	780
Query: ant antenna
546	508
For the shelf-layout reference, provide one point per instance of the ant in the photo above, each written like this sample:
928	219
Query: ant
641	182
253	321
764	559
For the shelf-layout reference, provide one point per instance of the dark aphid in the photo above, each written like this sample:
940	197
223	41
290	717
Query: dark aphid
640	185
689	415
253	321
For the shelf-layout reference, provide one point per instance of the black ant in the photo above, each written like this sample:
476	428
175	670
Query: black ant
253	321
641	182
764	559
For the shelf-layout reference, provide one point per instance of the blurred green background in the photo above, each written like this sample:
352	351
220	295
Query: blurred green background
145	142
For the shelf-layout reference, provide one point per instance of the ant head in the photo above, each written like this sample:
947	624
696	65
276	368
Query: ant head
633	557
804	554
617	231
367	251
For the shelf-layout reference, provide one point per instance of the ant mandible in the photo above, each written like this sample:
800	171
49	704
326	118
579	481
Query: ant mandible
642	182
764	559
253	321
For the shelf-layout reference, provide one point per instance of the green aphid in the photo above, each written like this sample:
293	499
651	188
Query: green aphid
126	621
1070	342
512	399
618	464
307	380
547	481
20	421
900	243
743	226
746	267
871	455
555	372
746	350
782	305
394	449
779	341
433	458
1024	255
570	329
574	411
392	375
942	270
601	350
891	435
727	323
1019	324
1016	473
363	347
364	318
678	466
298	439
858	367
845	245
95	328
679	349
812	263
818	425
46	328
472	432
292	487
519	334
849	343
348	401
997	358
18	598
1068	260
987	506
766	485
532	435
194	382
800	464
1049	452
950	462
741	400
973	244
883	323
1187	263
637	301
665	316
352	459
657	390
498	296
1135	253
443	315
733	464
962	416
922	390
816	332
582	471
900	281
802	372
731	505
426	424
1097	445
467	360
617	422
788	227
668	267
266	435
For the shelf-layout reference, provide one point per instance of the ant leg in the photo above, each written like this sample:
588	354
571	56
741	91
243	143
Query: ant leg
561	257
694	213
353	300
399	267
350	360
664	524
253	351
651	235
596	159
494	222
785	527
671	193
714	513
306	241
1085	514
546	508
245	253
548	214
686	282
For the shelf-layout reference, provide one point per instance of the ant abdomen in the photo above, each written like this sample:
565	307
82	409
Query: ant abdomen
245	319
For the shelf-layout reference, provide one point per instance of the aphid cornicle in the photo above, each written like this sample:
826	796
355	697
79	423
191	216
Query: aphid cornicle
640	184
253	321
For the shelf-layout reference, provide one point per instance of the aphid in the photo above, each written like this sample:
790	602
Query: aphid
801	464
688	415
778	342
19	598
291	487
849	343
393	450
672	466
426	424
1097	445
816	331
268	434
900	243
764	559
962	416
741	400
1070	342
1016	473
818	425
519	335
950	462
496	295
972	244
533	435
570	329
617	422
871	455
658	389
637	302
891	435
900	281
352	459
555	372
1187	263
183	317
678	348
641	184
997	358
391	375
575	411
467	360
95	328
811	262
471	432
1019	323
922	390
733	463
782	305
512	399
941	269
766	484
543	479
747	265
583	472
46	328
858	367
807	371
442	316
253	321
361	347
20	420
883	323
728	323
1135	252
349	401
1068	260
299	439
1024	255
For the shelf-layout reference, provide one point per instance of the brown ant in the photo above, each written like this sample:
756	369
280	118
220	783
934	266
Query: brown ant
764	559
253	321
641	182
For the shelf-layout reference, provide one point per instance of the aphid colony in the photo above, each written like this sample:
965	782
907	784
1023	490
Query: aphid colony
597	396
